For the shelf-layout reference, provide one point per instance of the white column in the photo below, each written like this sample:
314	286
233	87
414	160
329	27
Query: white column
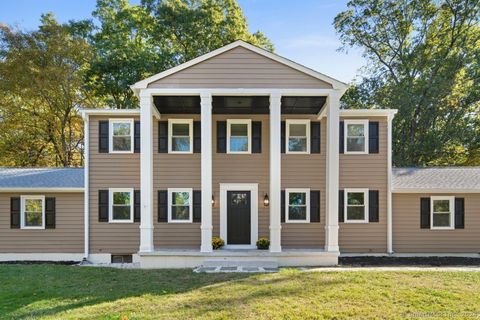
146	172
275	173
206	163
332	183
389	188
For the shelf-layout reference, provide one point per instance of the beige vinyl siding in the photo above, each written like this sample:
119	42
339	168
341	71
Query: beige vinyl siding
175	171
239	68
366	171
67	237
109	170
408	237
305	171
242	168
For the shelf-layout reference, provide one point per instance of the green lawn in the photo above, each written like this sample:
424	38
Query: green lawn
71	292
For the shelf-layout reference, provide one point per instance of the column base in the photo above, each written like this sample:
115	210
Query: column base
275	242
146	239
206	233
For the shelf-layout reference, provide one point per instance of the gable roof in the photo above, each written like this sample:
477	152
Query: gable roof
336	84
435	180
41	178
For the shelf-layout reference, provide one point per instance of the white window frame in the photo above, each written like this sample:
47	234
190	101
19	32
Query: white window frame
345	135
22	211
110	135
287	204
111	191
366	205
170	198
171	122
451	206
248	122
288	122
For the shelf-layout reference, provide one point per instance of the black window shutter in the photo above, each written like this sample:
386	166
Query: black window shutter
341	206
256	136
283	133
342	137
162	206
102	205
315	137
163	136
197	206
459	213
282	206
373	204
373	139
136	136
136	206
314	206
15	213
103	139
49	213
425	213
197	137
221	136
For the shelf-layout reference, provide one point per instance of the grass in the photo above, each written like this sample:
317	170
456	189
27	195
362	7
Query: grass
72	292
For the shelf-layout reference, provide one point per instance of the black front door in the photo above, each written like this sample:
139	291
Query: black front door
238	217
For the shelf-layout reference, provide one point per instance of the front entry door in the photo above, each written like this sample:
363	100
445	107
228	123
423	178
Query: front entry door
238	217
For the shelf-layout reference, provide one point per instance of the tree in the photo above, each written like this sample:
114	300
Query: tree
41	89
423	59
137	41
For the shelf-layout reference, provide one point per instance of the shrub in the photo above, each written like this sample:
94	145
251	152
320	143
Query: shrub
217	243
263	244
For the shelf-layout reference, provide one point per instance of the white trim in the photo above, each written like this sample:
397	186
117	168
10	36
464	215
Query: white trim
171	122
190	205
307	204
22	211
368	112
433	190
275	173
389	186
288	122
206	172
42	190
41	257
110	204
239	43
148	92
345	135
111	122
86	196
248	122
253	188
451	205
115	112
365	209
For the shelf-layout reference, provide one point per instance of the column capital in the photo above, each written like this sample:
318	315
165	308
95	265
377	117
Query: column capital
275	98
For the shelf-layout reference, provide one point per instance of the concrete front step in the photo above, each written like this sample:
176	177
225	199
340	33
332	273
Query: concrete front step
244	263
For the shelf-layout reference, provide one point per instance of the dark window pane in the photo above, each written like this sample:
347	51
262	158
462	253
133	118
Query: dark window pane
356	198
180	129
121	212
121	143
180	212
297	213
356	144
298	130
441	220
33	219
33	205
355	130
297	144
239	129
121	129
297	198
121	198
355	213
182	198
441	206
180	144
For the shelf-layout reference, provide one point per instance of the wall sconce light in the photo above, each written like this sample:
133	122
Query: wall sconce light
266	200
213	200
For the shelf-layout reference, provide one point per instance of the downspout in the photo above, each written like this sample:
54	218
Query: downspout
389	187
86	194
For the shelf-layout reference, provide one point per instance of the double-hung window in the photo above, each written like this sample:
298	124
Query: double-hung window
180	207
356	205
298	136
298	205
181	136
442	212
239	136
356	136
32	212
121	136
121	205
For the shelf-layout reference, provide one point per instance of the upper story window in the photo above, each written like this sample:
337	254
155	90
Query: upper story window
356	205
121	135
356	136
121	205
32	212
180	205
442	209
298	136
239	136
180	135
298	205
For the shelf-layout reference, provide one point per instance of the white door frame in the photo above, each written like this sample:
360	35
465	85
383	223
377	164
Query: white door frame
253	188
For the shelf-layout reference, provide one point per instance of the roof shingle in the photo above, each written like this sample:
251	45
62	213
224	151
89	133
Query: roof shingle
11	178
436	178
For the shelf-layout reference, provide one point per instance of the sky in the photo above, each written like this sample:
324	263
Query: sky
301	30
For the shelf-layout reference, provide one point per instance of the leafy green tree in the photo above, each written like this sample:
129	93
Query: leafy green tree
41	89
423	59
